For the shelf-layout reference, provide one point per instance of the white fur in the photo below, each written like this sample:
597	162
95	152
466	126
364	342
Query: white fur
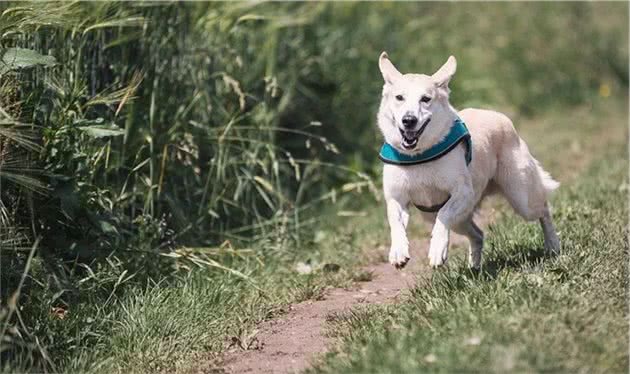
501	163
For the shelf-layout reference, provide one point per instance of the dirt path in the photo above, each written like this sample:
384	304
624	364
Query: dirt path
289	344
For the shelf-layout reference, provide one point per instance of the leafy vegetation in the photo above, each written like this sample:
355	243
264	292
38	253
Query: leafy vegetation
163	167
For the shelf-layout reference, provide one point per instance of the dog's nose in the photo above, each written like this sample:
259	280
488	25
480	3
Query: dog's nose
409	120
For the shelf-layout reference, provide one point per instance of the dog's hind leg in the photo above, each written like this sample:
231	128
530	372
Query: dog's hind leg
522	180
527	187
552	243
474	234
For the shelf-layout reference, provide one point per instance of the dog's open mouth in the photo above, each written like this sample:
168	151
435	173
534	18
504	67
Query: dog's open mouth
410	138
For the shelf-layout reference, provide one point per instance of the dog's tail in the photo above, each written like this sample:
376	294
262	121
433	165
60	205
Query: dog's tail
549	184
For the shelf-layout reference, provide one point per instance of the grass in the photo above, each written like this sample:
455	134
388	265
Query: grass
172	324
524	312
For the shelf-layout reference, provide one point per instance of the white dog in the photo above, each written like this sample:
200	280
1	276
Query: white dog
433	163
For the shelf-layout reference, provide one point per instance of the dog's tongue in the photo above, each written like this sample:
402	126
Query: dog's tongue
409	143
410	136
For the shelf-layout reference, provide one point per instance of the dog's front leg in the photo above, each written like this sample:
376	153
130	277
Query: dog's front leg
398	217
458	208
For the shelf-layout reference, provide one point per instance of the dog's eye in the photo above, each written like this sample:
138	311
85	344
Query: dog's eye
400	97
425	99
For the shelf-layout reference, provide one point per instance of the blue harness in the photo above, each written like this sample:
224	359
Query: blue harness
458	133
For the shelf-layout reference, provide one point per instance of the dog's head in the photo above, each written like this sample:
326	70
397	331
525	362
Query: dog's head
415	111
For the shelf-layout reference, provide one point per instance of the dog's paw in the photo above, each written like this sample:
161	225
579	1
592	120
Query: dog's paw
552	246
438	254
474	257
399	256
438	249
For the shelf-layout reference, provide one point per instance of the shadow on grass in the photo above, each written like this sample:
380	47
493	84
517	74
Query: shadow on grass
445	284
517	257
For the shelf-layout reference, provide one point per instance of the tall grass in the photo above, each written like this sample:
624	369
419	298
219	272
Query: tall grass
140	140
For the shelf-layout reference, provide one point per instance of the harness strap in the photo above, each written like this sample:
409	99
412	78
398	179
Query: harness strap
457	134
432	208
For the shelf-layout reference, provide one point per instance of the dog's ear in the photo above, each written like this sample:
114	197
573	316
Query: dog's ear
389	71
445	73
